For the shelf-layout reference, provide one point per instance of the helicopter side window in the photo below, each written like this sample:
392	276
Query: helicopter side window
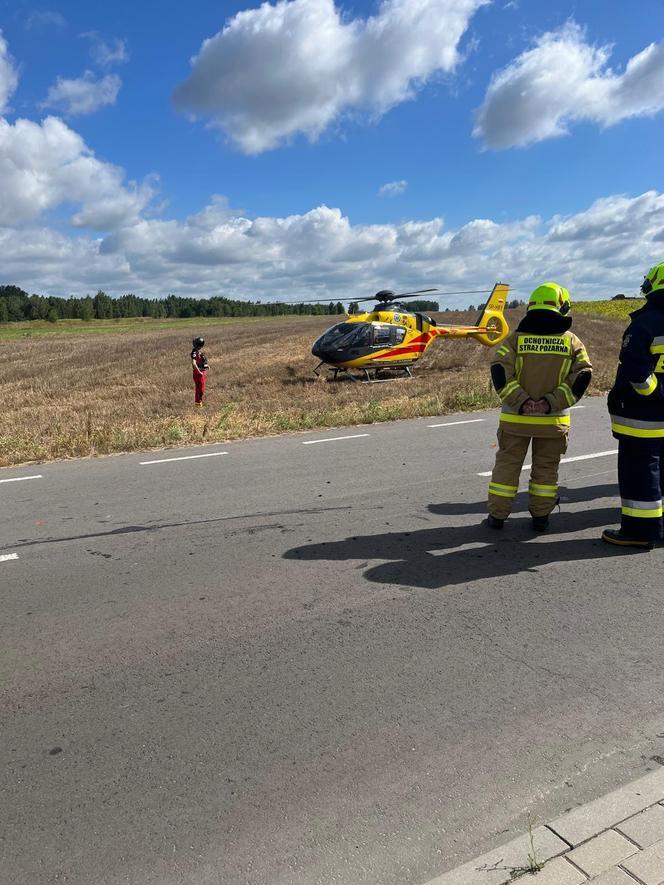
398	334
382	335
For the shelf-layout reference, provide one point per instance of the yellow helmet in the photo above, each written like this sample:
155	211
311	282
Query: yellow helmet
653	280
550	296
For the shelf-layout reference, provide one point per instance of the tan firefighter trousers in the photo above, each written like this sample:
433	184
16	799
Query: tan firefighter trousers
543	485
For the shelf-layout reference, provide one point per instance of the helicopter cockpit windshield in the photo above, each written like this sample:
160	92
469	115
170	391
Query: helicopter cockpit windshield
345	335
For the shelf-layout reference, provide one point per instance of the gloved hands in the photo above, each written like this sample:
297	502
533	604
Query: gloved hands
535	407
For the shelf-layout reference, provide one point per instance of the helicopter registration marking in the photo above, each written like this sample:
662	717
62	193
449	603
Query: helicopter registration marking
452	423
313	442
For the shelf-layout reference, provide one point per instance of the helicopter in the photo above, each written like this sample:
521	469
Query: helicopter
390	338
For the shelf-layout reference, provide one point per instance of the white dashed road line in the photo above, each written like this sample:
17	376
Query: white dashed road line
22	478
6	557
588	457
453	423
565	460
183	458
313	442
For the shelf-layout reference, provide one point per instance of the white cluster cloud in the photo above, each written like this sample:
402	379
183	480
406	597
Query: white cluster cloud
562	80
392	188
83	95
89	93
598	252
48	165
298	65
8	75
45	18
44	165
107	53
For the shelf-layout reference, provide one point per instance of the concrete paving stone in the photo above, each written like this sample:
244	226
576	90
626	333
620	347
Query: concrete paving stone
647	865
588	820
602	852
614	876
645	828
556	872
496	867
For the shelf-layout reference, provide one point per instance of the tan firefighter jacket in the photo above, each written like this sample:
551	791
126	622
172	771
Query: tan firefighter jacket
532	365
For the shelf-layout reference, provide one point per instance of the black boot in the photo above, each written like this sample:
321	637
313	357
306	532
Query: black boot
616	537
540	523
494	523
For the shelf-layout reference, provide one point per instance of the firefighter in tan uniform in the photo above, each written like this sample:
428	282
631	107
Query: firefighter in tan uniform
539	372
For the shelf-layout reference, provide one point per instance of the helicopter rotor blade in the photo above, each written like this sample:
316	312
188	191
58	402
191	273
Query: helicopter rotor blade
395	296
347	300
420	291
415	292
313	301
368	298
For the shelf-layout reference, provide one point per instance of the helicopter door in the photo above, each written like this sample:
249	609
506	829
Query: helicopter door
360	340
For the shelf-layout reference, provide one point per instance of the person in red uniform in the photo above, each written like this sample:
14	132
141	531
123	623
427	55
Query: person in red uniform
199	366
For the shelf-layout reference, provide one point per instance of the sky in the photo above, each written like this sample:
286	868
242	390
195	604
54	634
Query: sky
304	149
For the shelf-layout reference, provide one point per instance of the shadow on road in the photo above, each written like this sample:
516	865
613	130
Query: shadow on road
567	496
453	555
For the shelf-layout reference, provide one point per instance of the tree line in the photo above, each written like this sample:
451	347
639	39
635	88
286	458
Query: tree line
17	305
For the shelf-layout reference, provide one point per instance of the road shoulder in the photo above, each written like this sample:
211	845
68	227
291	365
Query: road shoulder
618	838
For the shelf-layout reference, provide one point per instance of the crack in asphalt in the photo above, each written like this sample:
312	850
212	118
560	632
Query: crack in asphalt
535	668
157	527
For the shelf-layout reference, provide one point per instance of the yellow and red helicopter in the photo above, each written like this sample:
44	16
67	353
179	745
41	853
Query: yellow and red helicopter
390	337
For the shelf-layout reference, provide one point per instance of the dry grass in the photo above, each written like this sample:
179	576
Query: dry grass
71	394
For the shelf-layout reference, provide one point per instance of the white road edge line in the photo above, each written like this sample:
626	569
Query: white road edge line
565	460
22	478
452	423
5	557
313	442
183	458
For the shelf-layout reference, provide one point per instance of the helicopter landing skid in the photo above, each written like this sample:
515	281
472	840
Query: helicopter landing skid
368	376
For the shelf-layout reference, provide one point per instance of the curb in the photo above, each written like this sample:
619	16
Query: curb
618	838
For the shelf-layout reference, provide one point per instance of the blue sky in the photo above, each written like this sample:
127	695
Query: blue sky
298	114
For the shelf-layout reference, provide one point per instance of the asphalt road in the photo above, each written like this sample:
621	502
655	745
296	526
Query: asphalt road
297	663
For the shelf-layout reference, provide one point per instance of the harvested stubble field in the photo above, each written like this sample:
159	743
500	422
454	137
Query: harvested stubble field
66	393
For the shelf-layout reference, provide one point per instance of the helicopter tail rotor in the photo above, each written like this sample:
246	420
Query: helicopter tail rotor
492	320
